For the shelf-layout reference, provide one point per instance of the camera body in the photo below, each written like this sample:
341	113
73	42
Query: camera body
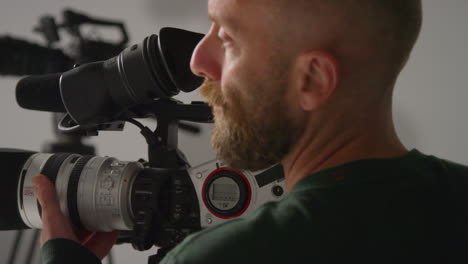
224	193
163	206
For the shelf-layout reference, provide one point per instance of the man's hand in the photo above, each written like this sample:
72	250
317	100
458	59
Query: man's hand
56	225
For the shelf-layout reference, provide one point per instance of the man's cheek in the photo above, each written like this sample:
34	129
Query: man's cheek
235	72
233	102
228	89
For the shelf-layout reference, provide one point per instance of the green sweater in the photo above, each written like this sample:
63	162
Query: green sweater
412	209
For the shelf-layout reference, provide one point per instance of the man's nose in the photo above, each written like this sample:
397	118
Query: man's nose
207	59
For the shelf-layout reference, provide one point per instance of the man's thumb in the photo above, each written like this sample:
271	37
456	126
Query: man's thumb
54	223
46	194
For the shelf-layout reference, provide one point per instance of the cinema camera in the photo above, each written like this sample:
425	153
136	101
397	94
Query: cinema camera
155	202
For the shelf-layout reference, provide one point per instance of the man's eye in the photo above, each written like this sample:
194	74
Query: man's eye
225	38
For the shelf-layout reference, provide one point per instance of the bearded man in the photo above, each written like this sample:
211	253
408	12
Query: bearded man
309	84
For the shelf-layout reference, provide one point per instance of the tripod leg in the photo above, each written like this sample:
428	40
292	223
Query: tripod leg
14	248
32	246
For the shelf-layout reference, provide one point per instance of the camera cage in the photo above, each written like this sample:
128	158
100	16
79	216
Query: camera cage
163	155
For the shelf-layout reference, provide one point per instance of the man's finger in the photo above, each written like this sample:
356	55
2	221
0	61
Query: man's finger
54	223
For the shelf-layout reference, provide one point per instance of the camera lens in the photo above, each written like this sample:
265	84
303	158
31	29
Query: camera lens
93	191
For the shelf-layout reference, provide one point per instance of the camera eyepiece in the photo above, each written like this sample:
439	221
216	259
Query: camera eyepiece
100	92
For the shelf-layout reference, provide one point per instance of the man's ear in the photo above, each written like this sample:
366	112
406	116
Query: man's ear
315	79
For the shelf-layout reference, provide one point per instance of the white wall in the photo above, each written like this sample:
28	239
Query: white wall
430	108
430	101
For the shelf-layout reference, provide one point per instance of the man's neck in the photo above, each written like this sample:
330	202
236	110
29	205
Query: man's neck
327	149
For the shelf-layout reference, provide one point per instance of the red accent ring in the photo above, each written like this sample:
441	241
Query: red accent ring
249	193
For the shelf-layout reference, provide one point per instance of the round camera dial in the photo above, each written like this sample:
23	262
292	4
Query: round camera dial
226	193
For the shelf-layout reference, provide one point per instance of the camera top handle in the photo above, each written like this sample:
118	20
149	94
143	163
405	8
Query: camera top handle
163	141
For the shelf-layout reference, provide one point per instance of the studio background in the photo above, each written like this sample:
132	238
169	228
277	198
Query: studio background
430	107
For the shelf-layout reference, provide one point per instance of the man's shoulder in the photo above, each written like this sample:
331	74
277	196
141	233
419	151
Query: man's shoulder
449	174
449	167
452	179
322	218
256	238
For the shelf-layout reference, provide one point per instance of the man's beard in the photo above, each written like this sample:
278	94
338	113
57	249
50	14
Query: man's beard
251	133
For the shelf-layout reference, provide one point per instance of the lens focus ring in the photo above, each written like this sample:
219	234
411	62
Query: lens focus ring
73	191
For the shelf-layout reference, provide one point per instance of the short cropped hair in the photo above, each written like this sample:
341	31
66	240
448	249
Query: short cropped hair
399	23
388	29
